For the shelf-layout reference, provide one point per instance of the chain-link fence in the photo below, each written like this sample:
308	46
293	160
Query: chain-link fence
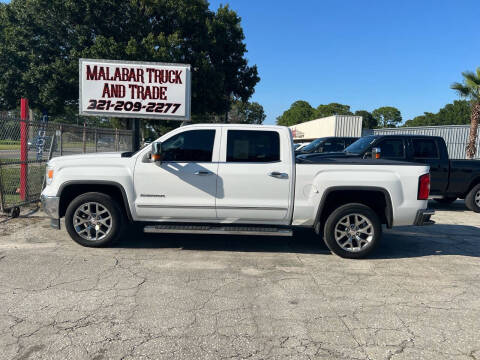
22	163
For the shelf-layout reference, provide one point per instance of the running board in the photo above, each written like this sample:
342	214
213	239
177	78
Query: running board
212	229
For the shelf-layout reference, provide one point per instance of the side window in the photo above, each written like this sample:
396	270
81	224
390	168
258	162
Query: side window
253	146
189	146
425	149
333	145
392	148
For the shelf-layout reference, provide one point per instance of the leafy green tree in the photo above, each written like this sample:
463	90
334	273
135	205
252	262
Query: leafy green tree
300	111
332	109
457	113
427	119
42	40
387	116
470	89
246	113
369	122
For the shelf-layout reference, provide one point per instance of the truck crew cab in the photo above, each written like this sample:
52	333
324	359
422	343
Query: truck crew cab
234	179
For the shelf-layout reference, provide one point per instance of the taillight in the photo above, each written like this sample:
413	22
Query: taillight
423	187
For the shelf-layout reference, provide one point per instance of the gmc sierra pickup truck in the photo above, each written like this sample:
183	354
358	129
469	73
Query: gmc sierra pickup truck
234	179
450	179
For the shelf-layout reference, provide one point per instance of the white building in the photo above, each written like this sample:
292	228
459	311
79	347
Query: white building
336	125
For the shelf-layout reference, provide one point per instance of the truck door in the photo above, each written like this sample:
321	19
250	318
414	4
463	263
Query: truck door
393	148
183	185
426	151
254	177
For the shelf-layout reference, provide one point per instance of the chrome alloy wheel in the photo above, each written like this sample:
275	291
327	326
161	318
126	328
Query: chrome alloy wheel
354	232
477	198
92	221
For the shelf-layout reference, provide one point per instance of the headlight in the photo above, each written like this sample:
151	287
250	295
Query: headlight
49	175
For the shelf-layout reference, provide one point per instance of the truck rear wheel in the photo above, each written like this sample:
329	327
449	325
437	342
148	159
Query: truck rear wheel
352	231
472	200
94	219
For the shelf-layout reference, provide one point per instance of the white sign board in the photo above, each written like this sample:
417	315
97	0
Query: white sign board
135	89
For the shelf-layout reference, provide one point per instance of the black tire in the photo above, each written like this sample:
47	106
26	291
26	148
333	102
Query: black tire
117	219
340	213
15	212
446	200
472	199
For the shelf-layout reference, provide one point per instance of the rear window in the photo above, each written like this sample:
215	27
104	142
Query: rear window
425	149
253	146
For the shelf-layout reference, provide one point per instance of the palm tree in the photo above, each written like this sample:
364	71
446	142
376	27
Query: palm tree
470	89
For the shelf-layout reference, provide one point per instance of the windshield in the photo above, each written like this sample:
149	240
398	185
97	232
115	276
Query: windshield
312	146
359	146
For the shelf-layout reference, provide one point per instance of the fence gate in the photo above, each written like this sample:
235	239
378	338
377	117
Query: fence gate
22	177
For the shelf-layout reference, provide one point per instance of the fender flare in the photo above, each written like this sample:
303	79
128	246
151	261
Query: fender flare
100	182
386	194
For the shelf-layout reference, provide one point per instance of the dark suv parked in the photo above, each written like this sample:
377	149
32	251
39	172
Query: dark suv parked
450	179
326	144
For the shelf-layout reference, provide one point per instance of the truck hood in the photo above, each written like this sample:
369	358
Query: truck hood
313	157
89	157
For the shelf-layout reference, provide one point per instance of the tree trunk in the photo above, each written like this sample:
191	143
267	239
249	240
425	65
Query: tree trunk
472	139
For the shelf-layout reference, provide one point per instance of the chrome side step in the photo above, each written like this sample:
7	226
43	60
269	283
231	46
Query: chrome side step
212	229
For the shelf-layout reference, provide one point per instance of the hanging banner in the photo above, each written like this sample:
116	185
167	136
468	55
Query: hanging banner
135	89
41	138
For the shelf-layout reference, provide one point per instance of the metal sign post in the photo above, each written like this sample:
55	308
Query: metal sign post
135	127
23	148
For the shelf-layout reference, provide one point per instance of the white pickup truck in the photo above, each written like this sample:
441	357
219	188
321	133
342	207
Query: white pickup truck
234	179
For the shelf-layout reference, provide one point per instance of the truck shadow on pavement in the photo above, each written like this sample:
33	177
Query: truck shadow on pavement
401	242
458	205
435	240
306	242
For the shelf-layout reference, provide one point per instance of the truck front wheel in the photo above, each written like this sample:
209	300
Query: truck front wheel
352	231
94	219
472	200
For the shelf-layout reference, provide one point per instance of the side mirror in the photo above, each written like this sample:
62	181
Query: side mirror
376	153
156	151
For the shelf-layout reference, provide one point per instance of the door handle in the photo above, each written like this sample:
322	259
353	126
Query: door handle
278	175
202	173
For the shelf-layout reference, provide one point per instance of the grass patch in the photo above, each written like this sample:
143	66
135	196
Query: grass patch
10	177
9	147
14	142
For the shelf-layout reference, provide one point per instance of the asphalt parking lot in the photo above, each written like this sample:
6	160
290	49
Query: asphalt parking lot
215	297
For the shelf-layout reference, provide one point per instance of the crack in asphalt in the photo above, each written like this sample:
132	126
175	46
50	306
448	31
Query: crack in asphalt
65	301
